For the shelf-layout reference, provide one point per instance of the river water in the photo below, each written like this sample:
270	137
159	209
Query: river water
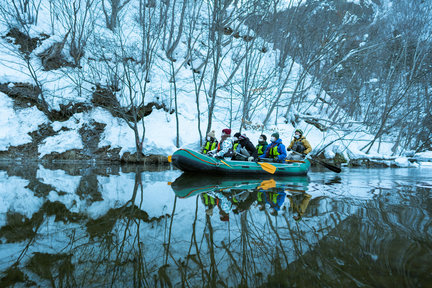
88	225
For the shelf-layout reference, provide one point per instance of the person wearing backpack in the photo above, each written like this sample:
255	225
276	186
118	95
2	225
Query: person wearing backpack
300	145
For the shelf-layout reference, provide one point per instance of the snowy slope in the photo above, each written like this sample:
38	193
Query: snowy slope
76	85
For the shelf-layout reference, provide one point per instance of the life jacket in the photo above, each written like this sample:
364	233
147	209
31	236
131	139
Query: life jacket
219	145
273	152
298	145
208	200
260	149
269	197
235	146
210	145
259	197
273	198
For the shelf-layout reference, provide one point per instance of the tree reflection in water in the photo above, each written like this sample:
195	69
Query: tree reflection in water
132	230
260	247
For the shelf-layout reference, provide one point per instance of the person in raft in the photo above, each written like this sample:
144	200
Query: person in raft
299	145
210	144
275	150
262	144
245	150
225	146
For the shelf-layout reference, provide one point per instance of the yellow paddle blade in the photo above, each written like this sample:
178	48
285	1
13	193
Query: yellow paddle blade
169	183
170	158
268	167
267	184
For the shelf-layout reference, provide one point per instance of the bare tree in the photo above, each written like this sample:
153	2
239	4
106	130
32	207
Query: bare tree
193	58
20	12
172	33
127	73
78	18
217	20
111	10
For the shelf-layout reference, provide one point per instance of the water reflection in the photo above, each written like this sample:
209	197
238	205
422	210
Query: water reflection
97	226
237	195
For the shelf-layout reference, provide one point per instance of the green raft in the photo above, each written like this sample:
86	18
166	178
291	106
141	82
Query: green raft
191	161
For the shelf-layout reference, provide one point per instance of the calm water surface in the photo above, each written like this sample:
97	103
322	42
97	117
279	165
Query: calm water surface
73	225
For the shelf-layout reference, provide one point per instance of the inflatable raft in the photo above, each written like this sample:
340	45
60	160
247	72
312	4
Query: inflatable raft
191	161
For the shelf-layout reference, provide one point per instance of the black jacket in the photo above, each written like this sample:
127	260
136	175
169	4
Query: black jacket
246	143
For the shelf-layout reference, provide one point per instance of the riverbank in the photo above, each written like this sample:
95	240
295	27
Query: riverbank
112	156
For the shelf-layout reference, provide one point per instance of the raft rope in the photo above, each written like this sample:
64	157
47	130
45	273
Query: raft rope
213	163
198	189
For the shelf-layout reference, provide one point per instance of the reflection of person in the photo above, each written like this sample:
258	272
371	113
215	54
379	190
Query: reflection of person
223	203
223	216
298	204
245	150
243	200
209	202
275	199
300	145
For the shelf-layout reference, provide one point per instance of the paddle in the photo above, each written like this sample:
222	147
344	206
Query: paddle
265	166
225	163
327	165
267	184
170	158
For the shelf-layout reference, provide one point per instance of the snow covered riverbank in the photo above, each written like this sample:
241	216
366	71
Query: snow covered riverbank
88	112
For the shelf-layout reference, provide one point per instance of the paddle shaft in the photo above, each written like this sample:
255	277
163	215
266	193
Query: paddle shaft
265	166
327	165
269	168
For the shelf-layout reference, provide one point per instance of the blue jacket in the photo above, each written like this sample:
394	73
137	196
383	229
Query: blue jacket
280	148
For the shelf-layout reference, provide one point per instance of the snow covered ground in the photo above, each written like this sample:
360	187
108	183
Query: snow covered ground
66	85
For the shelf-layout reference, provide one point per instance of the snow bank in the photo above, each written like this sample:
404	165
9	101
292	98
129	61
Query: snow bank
64	141
404	162
16	124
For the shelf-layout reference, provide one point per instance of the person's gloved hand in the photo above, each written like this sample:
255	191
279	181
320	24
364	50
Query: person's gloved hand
288	149
275	160
250	159
210	153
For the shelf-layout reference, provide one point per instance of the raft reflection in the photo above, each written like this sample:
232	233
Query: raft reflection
236	195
